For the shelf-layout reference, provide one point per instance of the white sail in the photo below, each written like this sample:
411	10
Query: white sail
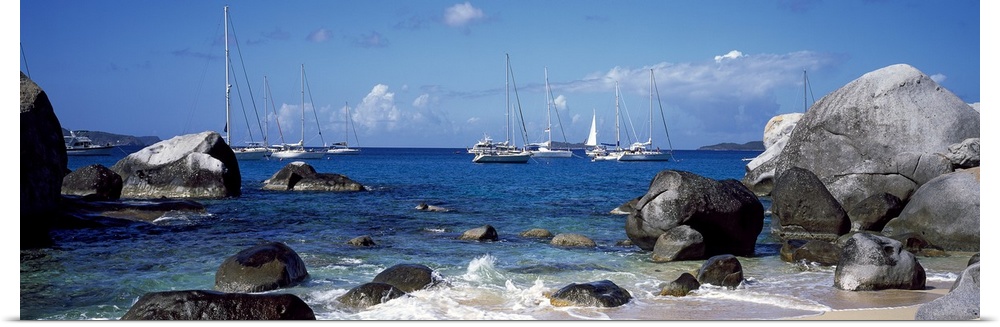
592	139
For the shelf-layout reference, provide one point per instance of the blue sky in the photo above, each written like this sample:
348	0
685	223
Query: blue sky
431	73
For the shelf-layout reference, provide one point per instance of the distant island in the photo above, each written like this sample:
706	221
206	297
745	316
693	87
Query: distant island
114	139
749	146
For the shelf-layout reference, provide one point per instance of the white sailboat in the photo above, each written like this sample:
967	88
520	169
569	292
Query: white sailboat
298	150
642	151
504	152
253	150
341	148
544	149
603	154
79	145
594	149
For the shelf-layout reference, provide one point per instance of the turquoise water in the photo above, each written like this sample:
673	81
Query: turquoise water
99	273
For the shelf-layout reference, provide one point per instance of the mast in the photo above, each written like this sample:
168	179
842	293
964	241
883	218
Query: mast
805	99
548	109
265	111
302	140
226	36
347	120
507	99
617	132
650	107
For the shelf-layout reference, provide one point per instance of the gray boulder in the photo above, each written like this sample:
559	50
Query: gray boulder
43	165
408	277
803	209
961	302
679	243
93	182
722	270
260	268
484	233
300	176
572	240
965	154
363	240
870	262
725	213
680	286
850	137
536	233
945	211
369	294
626	208
759	176
187	166
603	293
210	305
921	167
872	213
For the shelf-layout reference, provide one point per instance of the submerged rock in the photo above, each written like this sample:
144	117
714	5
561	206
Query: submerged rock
603	293
211	305
369	294
300	176
722	270
408	277
260	268
680	286
572	240
484	233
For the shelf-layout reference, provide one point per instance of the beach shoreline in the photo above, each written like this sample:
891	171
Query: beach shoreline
891	313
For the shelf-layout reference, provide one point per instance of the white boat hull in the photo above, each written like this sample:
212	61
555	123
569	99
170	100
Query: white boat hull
90	151
297	154
342	151
645	156
502	157
251	153
545	153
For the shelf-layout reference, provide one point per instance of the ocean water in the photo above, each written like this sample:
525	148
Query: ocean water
97	274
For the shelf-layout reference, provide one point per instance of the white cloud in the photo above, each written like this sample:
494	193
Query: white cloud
421	101
320	35
462	14
371	40
939	78
559	102
731	55
472	120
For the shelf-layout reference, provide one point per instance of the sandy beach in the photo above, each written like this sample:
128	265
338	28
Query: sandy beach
894	313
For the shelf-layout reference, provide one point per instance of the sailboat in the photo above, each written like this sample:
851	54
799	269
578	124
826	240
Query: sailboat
342	147
298	150
603	154
253	150
544	149
641	151
594	149
504	152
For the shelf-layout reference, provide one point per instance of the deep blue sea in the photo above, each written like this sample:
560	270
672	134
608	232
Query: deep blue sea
97	274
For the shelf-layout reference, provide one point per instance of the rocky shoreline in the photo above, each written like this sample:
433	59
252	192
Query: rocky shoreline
863	181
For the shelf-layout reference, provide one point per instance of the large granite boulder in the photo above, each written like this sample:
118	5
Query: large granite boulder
602	293
369	294
43	165
759	176
945	211
723	270
211	305
870	262
850	137
93	182
260	268
961	302
409	277
300	176
727	215
803	209
187	166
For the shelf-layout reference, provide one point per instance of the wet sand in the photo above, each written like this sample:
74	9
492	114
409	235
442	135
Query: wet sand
894	313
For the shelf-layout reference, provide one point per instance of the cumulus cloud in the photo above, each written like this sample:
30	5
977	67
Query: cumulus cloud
731	55
421	101
462	14
472	120
939	78
371	40
320	35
